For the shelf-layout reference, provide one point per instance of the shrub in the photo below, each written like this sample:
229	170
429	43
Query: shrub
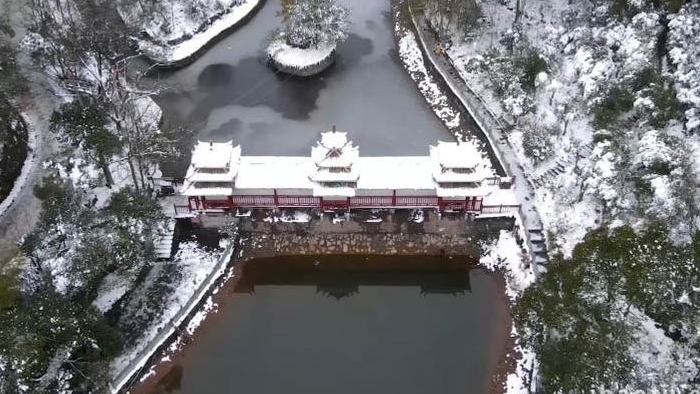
618	101
529	67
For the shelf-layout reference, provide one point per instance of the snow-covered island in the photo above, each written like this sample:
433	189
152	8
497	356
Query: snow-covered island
306	45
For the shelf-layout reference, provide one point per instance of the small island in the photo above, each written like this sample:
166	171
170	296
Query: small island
306	44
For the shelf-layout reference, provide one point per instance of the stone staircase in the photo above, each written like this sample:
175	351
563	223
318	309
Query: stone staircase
539	248
559	166
163	243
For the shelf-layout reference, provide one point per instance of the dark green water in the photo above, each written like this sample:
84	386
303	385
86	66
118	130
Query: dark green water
339	331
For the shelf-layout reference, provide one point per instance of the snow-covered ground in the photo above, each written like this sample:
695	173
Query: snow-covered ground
186	35
199	269
505	255
412	58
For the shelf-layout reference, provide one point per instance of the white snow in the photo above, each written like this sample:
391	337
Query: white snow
662	361
412	58
505	254
113	287
684	30
294	217
295	175
179	52
298	58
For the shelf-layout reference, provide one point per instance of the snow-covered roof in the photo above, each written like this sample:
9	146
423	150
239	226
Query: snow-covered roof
455	154
213	164
322	191
208	191
392	173
215	154
275	172
323	175
335	169
334	150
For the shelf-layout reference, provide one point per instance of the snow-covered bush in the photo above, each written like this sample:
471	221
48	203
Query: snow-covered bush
315	23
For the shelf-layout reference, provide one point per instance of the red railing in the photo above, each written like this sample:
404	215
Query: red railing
469	204
371	202
493	209
217	204
298	201
335	204
417	201
252	201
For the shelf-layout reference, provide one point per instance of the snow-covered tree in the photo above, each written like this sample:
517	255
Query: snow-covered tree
584	316
684	54
84	123
314	23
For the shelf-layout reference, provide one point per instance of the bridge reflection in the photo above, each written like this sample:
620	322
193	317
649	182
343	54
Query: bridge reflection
343	276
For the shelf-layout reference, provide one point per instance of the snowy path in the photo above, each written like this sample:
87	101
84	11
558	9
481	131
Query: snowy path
20	211
490	125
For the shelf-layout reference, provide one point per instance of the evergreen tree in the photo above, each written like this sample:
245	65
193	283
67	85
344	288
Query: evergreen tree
577	317
83	122
315	23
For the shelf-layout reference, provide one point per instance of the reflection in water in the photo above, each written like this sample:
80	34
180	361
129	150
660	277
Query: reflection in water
216	77
231	93
350	325
170	382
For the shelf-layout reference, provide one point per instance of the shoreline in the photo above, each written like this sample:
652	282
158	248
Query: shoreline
162	367
226	28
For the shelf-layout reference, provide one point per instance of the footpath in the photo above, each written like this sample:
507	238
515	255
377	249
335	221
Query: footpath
494	130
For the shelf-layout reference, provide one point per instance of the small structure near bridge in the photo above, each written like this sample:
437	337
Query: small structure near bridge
453	177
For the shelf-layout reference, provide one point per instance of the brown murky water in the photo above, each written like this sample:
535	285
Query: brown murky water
348	324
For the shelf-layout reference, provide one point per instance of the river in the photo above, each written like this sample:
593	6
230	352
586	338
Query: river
231	93
309	330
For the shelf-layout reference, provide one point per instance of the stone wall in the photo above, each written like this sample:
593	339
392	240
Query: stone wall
268	245
435	236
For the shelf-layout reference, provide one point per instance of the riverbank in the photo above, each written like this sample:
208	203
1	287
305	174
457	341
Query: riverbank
181	53
15	148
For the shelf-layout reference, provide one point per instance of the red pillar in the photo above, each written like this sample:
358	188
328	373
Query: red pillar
230	203
275	198
204	202
393	199
441	205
